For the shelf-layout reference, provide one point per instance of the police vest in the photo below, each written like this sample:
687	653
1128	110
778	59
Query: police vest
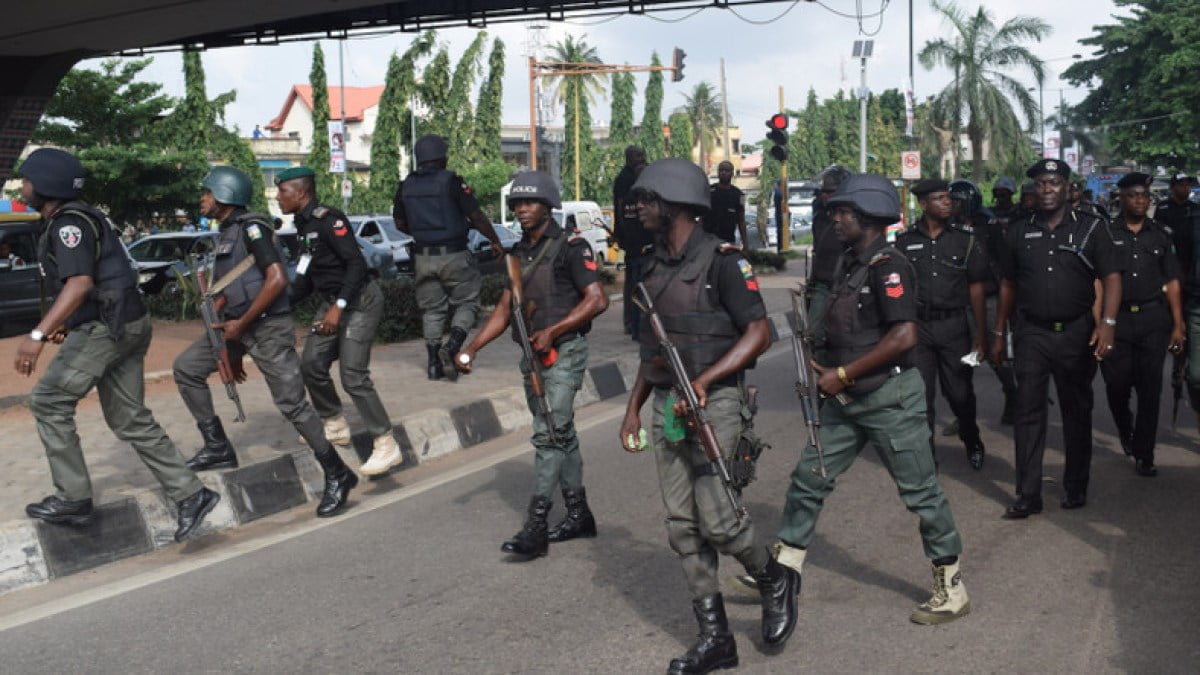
231	250
432	214
847	336
695	321
553	294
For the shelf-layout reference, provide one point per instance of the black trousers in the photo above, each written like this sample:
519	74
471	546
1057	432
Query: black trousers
1136	365
1042	353
941	345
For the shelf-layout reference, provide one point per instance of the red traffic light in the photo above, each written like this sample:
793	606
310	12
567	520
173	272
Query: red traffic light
778	121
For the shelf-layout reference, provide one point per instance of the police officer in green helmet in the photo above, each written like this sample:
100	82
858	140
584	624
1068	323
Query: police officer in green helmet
100	321
707	297
875	394
257	320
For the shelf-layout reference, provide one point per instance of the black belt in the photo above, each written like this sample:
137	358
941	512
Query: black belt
1135	307
437	249
936	314
1055	325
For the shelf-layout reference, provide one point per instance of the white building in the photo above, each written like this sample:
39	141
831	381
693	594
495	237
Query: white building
361	108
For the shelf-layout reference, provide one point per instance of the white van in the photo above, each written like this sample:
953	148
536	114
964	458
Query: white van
586	220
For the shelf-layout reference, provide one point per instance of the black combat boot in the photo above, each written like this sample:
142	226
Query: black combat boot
779	587
192	511
77	513
434	367
716	648
975	454
533	540
217	452
579	521
449	351
339	481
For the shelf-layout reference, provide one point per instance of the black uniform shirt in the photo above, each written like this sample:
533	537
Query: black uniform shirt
891	284
72	243
628	230
337	268
826	247
1053	282
580	269
945	266
1152	262
1180	221
725	213
460	192
258	240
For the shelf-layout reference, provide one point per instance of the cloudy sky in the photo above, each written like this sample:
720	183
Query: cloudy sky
797	45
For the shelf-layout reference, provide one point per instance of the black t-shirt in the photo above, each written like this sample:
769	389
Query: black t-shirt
1152	262
725	212
72	243
337	268
1182	221
826	247
460	192
628	230
1054	283
946	266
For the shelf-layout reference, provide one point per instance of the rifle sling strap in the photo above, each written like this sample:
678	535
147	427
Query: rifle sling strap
231	276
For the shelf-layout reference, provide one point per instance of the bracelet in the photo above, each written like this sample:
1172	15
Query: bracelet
845	379
1109	320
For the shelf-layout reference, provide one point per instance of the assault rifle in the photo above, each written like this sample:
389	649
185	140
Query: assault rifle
208	313
697	416
806	378
520	314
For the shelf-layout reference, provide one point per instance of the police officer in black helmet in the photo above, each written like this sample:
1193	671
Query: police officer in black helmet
100	321
257	319
437	208
826	251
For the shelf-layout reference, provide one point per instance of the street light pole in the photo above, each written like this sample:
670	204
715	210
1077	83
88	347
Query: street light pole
862	50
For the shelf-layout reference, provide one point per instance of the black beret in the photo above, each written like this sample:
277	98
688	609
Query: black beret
930	185
1135	179
1049	166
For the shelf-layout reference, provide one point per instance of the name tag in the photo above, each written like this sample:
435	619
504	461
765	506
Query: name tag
224	249
302	266
865	289
1033	235
914	247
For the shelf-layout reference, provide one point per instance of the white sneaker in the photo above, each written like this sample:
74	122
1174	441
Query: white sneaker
385	455
337	431
949	600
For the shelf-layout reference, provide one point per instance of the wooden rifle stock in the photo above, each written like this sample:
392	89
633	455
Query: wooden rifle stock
209	315
537	383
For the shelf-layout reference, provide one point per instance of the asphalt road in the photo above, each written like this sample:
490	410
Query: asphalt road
412	580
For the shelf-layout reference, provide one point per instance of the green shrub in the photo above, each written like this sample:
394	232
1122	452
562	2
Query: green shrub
764	259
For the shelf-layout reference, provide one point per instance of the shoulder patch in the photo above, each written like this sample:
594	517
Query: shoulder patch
254	232
882	256
70	235
321	211
747	271
725	248
576	240
339	227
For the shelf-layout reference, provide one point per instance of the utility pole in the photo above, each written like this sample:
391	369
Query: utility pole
726	148
863	50
342	92
533	149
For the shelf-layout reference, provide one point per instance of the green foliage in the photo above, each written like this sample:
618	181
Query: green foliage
571	50
486	179
392	128
238	153
620	131
191	123
491	289
1143	103
139	181
763	259
682	140
577	93
318	156
703	108
179	301
650	134
458	102
435	93
485	142
101	108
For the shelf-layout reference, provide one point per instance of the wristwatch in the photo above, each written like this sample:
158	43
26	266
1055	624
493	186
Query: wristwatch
341	303
1109	320
37	335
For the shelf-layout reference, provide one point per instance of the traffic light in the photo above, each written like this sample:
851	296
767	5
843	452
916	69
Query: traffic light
677	64
778	125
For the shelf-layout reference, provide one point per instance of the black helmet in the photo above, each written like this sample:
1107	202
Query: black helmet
870	194
835	174
535	185
429	148
966	191
55	173
676	181
229	185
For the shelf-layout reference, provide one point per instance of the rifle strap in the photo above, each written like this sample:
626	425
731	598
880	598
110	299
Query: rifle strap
230	276
543	254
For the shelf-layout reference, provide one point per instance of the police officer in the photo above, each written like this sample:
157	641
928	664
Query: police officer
561	285
257	319
1180	217
332	266
727	216
1004	212
629	233
437	208
1025	207
1150	322
1003	191
826	251
951	270
875	394
707	297
100	321
1050	263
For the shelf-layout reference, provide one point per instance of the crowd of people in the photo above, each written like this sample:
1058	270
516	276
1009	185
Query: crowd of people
1044	286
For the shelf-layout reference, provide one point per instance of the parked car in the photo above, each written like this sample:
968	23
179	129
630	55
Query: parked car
586	220
20	297
481	248
161	259
381	230
380	261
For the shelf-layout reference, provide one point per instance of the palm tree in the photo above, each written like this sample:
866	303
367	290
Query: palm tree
1072	129
572	51
703	106
981	90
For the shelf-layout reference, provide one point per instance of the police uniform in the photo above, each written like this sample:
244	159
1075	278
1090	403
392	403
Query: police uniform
997	228
335	270
1142	334
946	267
632	238
1182	223
1054	271
434	204
826	252
726	213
